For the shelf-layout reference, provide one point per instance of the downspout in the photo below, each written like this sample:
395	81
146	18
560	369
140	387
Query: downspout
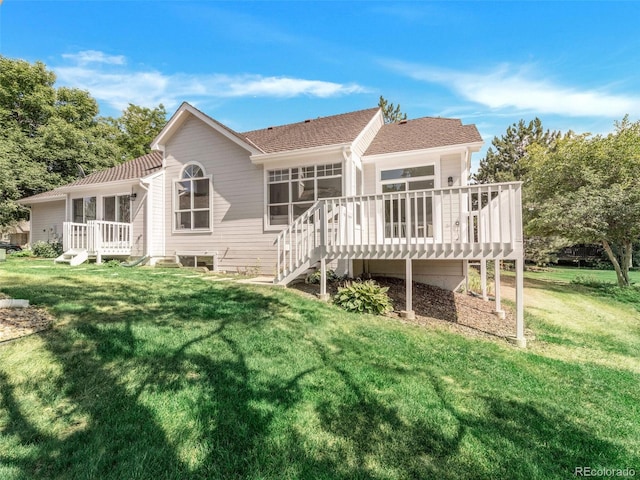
147	217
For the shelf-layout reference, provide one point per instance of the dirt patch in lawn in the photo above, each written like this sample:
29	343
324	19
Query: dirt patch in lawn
435	307
18	322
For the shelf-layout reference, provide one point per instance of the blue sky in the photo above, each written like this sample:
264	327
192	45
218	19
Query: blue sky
575	65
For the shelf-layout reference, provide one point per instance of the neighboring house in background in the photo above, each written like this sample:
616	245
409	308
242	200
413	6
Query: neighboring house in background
17	234
383	199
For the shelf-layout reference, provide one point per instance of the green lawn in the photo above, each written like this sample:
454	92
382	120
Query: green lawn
570	274
161	373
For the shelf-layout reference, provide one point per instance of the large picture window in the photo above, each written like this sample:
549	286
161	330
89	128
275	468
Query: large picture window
291	191
83	209
192	203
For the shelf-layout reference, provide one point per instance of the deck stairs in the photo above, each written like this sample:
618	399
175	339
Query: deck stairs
73	256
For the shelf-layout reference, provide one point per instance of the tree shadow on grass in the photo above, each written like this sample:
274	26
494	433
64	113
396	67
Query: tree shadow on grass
517	439
193	405
124	436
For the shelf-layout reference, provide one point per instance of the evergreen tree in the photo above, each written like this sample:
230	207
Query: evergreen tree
503	162
390	112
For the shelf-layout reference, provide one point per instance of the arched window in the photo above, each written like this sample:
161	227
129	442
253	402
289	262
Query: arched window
192	199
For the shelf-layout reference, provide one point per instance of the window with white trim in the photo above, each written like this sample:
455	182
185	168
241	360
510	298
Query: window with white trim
116	208
395	211
291	191
192	199
83	209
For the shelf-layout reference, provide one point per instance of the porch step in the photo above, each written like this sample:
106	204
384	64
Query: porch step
73	256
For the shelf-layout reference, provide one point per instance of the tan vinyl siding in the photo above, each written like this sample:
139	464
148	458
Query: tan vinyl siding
46	221
138	211
237	233
157	192
450	166
447	274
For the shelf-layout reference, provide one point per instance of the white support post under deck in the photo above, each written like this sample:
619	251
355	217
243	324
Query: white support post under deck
499	312
324	296
483	279
408	312
520	340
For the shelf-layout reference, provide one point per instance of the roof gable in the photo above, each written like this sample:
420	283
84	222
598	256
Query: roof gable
183	112
421	134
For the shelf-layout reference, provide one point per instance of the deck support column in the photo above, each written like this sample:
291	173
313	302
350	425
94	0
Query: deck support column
408	312
498	311
483	279
520	340
324	296
98	258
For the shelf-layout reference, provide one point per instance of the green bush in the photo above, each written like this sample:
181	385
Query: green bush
46	249
314	277
364	297
112	263
589	281
23	253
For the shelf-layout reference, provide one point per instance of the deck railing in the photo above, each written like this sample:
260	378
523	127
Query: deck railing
98	237
456	222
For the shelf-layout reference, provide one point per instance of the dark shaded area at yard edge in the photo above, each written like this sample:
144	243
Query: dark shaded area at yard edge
238	433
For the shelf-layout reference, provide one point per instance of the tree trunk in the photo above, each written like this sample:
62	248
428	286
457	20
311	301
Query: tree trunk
622	268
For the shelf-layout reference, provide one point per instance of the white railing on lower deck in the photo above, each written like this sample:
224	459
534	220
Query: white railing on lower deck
473	221
97	236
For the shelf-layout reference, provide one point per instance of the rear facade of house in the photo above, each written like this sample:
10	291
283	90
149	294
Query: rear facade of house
347	191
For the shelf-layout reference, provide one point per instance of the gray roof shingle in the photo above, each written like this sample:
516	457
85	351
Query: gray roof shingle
132	169
422	133
317	132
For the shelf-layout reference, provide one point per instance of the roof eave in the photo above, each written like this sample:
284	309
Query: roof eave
28	201
454	148
263	158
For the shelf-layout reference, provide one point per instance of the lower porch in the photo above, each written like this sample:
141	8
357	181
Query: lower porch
97	239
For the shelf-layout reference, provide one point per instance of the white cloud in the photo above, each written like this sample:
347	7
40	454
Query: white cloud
98	73
93	56
521	89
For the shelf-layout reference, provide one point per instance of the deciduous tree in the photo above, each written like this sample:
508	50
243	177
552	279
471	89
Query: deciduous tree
586	189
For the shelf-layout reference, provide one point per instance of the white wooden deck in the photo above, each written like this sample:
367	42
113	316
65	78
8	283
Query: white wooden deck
479	222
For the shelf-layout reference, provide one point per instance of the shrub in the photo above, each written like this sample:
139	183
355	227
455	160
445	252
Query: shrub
112	263
364	297
589	281
23	253
46	249
314	277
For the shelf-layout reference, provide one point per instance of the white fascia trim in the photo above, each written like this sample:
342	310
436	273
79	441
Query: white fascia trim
151	176
93	186
179	117
263	158
460	148
377	118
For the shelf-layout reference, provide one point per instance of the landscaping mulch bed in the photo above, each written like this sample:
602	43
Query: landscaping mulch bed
441	308
18	322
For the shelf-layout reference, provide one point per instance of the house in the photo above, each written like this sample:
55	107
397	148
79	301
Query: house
370	197
17	233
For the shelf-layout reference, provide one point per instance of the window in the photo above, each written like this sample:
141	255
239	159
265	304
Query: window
192	202
83	209
117	208
402	180
291	191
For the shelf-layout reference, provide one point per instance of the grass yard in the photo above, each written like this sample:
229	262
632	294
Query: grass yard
163	374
